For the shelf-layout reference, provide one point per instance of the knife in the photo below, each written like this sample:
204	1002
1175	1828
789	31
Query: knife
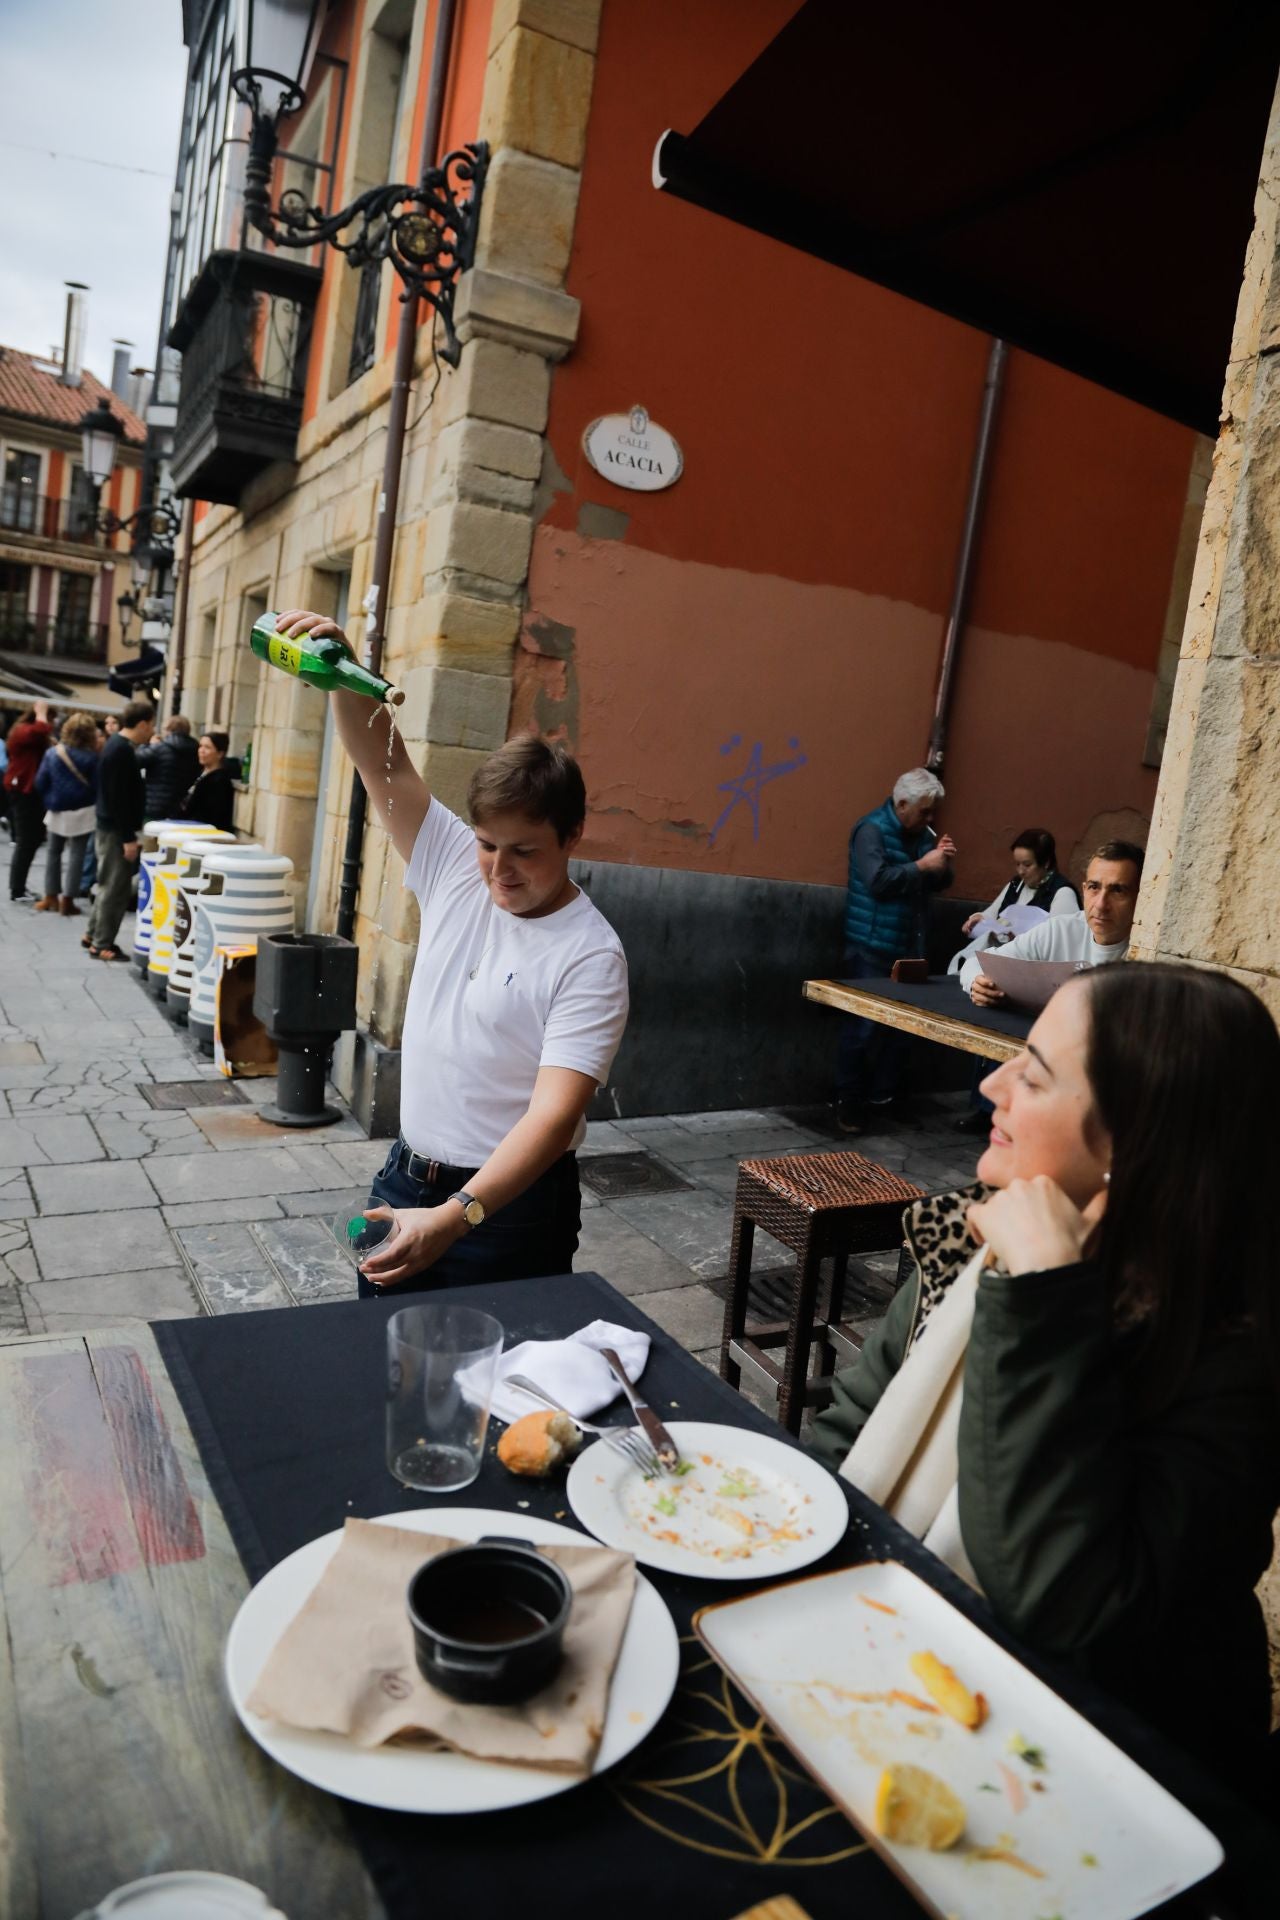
663	1445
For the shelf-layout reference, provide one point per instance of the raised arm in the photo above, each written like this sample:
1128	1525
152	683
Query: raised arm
399	793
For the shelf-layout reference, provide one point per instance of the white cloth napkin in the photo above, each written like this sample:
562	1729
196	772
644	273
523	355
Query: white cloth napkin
572	1371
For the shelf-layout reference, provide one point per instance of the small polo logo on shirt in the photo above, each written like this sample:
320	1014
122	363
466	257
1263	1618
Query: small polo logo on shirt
507	982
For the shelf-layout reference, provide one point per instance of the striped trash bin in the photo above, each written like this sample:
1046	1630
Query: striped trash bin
150	850
245	894
164	894
191	881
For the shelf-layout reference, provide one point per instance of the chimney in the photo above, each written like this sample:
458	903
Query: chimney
73	339
120	369
138	398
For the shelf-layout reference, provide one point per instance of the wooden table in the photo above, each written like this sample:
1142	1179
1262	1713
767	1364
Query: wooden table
939	1010
119	1755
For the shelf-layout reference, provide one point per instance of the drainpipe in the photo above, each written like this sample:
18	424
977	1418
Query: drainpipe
389	498
958	612
184	597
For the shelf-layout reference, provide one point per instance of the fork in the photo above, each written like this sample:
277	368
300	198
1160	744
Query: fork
623	1440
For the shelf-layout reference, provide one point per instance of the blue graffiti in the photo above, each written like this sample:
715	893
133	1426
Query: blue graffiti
745	787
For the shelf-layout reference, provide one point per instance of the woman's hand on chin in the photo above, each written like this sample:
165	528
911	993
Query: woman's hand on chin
1032	1227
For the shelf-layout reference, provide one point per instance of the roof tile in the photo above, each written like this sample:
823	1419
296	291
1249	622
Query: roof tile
28	391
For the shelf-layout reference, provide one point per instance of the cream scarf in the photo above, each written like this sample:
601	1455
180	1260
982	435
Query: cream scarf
906	1458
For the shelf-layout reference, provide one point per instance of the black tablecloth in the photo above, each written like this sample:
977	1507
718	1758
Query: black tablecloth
942	993
287	1410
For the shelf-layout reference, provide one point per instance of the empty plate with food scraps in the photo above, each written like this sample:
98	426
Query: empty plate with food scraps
982	1789
741	1505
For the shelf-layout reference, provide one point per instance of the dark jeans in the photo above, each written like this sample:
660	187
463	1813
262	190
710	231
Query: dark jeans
533	1235
115	877
871	1057
68	849
26	824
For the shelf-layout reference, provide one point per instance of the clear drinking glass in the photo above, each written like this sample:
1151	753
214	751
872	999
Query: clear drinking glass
441	1365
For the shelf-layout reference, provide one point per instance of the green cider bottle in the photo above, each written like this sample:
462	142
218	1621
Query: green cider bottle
323	663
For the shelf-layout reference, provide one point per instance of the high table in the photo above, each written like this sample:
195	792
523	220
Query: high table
939	1009
143	1467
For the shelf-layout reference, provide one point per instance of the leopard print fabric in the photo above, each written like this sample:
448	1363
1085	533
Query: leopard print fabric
941	1245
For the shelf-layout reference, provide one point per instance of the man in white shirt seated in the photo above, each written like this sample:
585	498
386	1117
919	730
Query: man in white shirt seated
1091	938
516	1007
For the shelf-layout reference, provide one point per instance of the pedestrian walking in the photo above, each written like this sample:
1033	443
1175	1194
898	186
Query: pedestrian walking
26	741
121	811
67	783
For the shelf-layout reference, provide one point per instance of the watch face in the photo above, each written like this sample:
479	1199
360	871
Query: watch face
473	1213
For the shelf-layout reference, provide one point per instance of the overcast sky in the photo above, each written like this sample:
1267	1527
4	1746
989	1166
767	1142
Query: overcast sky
103	82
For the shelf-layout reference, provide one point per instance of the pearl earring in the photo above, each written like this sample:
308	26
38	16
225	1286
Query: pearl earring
1106	1179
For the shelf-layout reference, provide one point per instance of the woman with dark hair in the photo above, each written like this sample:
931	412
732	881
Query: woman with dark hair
1090	1433
212	797
1036	881
67	784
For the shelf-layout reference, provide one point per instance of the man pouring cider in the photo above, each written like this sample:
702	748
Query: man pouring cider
516	1007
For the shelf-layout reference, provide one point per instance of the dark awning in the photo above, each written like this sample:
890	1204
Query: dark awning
1079	181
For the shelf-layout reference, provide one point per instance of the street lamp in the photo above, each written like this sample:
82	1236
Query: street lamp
100	435
428	232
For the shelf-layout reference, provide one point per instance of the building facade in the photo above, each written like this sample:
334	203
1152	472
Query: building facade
61	631
743	660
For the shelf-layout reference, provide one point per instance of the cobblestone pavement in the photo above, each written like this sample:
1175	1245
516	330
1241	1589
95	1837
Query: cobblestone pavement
114	1210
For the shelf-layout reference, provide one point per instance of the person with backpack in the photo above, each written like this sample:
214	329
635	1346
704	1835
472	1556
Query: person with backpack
67	784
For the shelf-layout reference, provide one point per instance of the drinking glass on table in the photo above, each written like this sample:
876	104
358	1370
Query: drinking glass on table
441	1365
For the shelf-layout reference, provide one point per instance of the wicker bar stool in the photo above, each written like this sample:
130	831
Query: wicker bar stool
816	1204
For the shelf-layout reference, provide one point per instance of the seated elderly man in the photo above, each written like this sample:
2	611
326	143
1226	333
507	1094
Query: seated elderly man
1091	938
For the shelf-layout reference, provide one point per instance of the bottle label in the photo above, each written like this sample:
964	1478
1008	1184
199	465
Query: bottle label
284	653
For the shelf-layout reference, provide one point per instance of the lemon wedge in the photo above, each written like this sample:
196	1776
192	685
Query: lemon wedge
917	1809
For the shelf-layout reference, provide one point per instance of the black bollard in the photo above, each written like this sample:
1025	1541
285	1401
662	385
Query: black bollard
305	996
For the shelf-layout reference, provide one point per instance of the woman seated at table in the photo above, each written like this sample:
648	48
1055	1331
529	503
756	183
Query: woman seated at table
1036	882
1082	1416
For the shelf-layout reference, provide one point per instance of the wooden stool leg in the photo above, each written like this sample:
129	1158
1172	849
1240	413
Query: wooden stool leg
735	1307
795	1366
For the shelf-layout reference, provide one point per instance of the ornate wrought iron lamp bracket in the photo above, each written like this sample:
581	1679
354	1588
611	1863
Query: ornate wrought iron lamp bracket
428	232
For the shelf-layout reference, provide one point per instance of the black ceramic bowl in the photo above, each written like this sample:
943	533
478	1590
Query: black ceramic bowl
488	1620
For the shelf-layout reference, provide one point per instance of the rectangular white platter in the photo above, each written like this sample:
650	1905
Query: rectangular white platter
1108	1841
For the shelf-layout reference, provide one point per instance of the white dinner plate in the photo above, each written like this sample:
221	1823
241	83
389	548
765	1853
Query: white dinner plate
749	1508
412	1779
827	1661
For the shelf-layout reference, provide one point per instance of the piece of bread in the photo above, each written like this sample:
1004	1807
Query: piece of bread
537	1444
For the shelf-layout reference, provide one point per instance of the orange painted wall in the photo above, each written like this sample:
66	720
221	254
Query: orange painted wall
793	585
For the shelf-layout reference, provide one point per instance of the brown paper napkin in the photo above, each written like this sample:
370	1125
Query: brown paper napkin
345	1664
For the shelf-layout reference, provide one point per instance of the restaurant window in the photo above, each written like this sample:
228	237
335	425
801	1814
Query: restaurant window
20	506
377	139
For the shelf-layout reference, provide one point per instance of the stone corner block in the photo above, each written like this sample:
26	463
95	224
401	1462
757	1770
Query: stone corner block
576	22
500	383
484	541
448	770
447	706
526	217
500	306
537	96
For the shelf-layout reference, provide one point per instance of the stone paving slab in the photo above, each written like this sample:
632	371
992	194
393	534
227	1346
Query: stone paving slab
224	1176
697	1228
110	1300
20	1053
96	1186
229	1269
225	1127
92	1243
16	1202
308	1258
212	1213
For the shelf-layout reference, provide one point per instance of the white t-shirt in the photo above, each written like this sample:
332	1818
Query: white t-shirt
1063	936
546	992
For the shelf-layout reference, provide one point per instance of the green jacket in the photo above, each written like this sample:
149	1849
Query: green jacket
1130	1545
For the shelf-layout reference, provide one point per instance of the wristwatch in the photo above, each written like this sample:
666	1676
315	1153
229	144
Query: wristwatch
472	1209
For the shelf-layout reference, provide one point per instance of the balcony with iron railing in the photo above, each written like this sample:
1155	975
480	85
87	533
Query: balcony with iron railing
43	518
54	638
